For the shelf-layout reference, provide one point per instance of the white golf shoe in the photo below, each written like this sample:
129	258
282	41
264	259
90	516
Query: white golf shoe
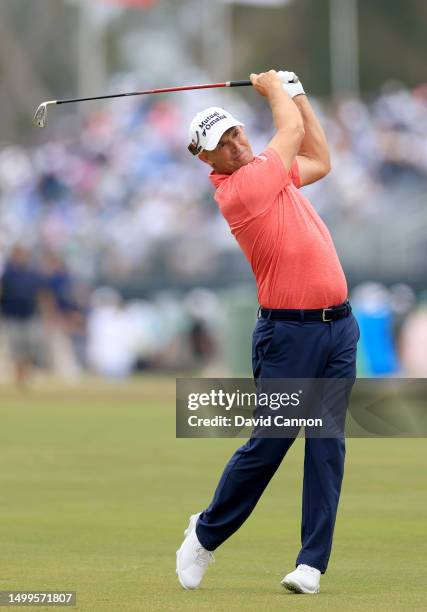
192	560
304	579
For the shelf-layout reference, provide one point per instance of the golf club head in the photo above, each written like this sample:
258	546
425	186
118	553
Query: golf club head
40	116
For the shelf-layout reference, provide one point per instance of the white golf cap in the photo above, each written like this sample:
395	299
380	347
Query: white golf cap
208	126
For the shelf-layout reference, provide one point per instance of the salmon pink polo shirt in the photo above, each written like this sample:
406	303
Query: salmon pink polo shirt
288	246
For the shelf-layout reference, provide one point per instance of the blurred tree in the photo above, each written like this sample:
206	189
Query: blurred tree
294	37
393	42
38	51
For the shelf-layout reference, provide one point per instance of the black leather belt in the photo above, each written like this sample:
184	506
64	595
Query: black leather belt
320	314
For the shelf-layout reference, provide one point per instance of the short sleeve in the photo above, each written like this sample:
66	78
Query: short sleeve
294	174
258	183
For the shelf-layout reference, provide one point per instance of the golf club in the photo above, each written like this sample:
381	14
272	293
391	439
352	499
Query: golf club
40	116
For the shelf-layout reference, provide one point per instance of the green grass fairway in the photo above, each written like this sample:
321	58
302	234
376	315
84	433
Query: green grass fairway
95	493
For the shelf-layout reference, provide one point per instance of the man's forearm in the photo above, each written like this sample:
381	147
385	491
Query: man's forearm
314	144
285	115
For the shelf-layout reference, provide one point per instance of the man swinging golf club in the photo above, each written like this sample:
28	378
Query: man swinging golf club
305	327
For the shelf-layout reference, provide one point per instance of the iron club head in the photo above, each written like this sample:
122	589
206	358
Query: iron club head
40	116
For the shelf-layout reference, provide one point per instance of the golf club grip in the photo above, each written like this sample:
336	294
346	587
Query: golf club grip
240	83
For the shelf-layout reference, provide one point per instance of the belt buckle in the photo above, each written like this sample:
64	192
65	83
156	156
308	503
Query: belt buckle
324	315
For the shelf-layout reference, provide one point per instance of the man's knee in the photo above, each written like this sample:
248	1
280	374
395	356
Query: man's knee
264	452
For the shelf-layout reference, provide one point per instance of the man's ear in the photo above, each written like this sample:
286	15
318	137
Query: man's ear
204	158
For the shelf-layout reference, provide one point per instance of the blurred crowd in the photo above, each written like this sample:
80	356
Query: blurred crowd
121	200
52	322
122	197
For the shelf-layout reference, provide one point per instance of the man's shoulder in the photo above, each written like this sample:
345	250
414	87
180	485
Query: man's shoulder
259	159
254	186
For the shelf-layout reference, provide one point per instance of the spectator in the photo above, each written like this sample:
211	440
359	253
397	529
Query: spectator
110	335
62	317
20	286
413	341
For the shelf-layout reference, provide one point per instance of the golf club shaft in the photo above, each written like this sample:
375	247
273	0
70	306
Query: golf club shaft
158	91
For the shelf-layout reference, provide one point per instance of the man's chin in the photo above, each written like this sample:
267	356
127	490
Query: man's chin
246	159
237	164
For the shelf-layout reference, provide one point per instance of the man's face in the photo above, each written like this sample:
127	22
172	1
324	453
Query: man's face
231	153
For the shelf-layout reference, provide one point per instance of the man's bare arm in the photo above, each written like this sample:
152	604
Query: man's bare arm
286	116
313	156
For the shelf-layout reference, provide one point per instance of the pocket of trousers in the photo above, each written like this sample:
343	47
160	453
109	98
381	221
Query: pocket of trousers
357	327
262	340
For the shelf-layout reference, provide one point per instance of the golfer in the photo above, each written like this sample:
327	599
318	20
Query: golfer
305	328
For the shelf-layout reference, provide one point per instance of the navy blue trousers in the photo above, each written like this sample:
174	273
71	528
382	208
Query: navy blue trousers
288	349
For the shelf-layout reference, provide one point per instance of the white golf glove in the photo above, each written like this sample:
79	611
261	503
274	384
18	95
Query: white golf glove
291	83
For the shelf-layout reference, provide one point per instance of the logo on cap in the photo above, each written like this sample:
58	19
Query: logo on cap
210	120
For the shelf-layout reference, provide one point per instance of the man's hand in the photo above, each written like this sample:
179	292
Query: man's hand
266	83
291	83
